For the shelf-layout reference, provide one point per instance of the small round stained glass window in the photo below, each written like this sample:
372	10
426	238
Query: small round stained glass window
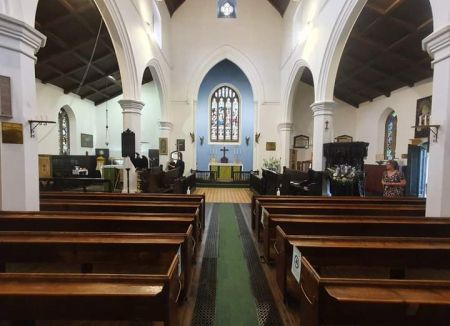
227	9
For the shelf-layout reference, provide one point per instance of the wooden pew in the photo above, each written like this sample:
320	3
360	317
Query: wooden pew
397	252
258	200
105	222
344	300
98	253
53	296
132	197
121	206
352	225
341	209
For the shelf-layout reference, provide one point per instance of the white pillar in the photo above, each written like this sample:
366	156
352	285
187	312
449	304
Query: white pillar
438	188
165	128
285	130
19	172
323	131
131	110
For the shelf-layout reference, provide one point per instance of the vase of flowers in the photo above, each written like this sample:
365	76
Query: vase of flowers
272	164
344	179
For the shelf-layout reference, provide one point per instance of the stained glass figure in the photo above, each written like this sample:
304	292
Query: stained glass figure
224	115
390	136
64	132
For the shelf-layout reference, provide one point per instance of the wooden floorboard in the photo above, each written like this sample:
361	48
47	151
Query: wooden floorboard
226	195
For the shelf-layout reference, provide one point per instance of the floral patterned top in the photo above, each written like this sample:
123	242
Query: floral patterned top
393	191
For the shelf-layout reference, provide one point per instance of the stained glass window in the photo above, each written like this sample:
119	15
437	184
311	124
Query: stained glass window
64	132
226	8
390	136
224	115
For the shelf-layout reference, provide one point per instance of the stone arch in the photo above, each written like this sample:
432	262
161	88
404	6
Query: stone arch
342	28
294	78
232	54
158	77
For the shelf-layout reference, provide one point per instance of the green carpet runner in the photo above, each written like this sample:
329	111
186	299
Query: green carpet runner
235	304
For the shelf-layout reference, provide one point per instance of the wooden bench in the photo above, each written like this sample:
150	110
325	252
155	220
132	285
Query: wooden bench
397	252
258	200
132	197
99	222
121	206
343	300
341	209
97	252
52	296
352	225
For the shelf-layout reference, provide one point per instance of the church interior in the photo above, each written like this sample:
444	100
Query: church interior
224	162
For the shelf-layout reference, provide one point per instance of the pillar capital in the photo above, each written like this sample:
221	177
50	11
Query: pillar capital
437	44
285	126
323	108
17	36
131	106
165	126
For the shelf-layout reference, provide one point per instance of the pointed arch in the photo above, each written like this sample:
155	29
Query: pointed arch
161	84
232	54
294	78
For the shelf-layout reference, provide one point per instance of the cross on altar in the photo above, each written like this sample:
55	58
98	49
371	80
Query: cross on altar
224	159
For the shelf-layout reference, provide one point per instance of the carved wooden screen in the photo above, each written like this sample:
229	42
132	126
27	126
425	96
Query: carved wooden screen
224	115
390	136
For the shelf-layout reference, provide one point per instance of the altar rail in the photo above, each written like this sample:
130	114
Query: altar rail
205	178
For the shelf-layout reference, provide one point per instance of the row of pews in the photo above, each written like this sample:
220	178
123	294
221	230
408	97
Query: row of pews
98	256
362	261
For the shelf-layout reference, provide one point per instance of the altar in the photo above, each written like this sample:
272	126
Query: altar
224	171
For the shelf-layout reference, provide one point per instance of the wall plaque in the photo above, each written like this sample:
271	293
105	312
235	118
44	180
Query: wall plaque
87	140
271	146
12	133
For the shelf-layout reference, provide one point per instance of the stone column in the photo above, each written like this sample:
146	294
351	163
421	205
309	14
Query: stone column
438	187
285	130
165	128
19	173
323	131
131	110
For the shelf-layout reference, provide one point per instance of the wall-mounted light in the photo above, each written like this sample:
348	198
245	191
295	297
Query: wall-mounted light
247	140
192	137
326	125
257	135
202	138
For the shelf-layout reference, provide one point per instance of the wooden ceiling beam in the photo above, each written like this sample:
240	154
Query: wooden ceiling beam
72	48
383	49
74	80
76	69
64	18
93	81
103	89
65	46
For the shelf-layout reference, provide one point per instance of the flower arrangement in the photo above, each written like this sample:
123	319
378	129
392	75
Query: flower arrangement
272	164
345	173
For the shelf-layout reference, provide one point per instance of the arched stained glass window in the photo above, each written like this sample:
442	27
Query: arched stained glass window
224	115
64	132
390	136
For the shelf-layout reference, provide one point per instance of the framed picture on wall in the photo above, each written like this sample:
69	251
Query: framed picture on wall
301	141
163	146
271	146
5	97
87	140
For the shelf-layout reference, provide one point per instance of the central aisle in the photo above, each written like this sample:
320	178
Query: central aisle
232	286
235	304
